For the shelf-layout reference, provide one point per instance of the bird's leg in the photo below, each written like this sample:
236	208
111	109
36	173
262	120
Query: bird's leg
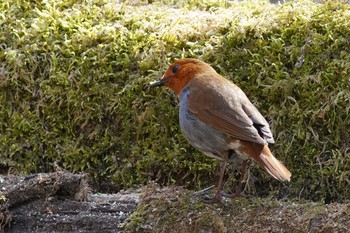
220	183
243	171
238	189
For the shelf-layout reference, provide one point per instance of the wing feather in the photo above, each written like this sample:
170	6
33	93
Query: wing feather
229	111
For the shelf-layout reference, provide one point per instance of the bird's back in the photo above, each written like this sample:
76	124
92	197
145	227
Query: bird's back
221	104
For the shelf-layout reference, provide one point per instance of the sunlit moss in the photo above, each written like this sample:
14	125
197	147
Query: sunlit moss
74	78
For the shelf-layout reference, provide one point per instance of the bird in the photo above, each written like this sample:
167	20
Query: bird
217	118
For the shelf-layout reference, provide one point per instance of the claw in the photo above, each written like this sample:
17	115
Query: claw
200	192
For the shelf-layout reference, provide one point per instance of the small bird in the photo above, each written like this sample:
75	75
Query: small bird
217	118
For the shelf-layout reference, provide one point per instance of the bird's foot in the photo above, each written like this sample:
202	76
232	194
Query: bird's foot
200	192
232	195
218	198
237	193
210	199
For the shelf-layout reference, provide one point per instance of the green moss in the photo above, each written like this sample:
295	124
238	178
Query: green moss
74	78
172	209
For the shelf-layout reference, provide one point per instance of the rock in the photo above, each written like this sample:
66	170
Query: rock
61	202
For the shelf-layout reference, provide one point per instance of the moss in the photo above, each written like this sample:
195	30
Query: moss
74	78
175	210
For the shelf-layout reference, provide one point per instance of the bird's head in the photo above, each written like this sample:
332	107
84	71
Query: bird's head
180	73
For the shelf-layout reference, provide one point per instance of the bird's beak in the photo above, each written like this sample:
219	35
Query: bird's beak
157	83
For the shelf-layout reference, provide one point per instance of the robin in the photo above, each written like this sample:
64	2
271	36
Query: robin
217	118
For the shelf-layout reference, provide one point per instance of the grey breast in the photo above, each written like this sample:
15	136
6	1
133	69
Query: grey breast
202	136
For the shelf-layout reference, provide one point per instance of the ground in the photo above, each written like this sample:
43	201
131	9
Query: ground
63	202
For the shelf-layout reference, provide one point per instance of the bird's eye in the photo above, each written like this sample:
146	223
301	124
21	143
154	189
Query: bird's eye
175	68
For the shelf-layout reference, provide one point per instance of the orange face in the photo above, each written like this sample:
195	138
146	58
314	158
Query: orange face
180	73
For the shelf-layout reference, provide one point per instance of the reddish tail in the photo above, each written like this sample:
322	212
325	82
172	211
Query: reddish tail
272	166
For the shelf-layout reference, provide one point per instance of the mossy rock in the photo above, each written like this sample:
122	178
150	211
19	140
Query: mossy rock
74	79
174	209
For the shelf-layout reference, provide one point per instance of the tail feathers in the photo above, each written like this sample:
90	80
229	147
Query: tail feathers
272	166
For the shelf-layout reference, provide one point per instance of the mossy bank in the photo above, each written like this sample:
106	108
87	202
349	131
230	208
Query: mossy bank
74	88
174	209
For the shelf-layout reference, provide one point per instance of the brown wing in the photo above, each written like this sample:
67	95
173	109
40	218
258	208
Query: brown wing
229	110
